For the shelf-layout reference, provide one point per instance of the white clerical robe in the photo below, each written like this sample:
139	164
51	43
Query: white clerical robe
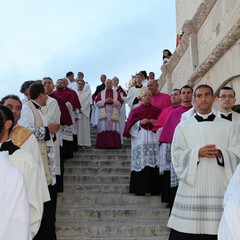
31	146
132	94
27	120
14	208
235	119
52	114
83	124
29	168
198	207
229	225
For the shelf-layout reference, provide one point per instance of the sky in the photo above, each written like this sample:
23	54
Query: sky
112	37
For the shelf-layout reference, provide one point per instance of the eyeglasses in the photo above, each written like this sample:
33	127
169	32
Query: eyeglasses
226	96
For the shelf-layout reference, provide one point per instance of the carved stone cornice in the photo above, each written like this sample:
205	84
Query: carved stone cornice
230	38
202	12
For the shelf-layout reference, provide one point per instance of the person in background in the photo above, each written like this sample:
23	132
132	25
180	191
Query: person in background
144	177
71	81
99	88
152	76
226	99
87	87
75	111
108	102
166	56
164	152
24	90
67	124
166	137
159	100
83	124
60	136
133	98
144	78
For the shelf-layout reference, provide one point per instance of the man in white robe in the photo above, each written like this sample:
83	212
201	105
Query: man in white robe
133	98
33	118
28	167
83	124
205	153
229	225
25	139
14	208
52	114
99	88
226	99
87	87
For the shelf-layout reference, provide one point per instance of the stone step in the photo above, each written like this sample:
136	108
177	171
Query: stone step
76	188
112	229
108	199
114	179
113	238
125	145
96	163
112	212
109	157
97	171
96	203
93	150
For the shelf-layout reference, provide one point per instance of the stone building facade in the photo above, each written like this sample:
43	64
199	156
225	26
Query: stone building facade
209	50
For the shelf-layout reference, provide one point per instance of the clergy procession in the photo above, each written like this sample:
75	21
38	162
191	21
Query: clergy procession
185	148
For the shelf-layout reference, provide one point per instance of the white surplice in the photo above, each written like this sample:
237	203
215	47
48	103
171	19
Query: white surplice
83	124
229	225
14	208
52	114
133	92
198	204
144	148
27	120
23	161
31	146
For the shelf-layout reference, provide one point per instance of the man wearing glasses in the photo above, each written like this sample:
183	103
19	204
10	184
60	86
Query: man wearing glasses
226	100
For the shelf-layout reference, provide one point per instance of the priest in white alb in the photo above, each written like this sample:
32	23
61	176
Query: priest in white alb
83	124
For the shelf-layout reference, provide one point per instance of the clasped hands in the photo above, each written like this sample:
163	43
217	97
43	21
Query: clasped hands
146	121
109	100
53	127
209	151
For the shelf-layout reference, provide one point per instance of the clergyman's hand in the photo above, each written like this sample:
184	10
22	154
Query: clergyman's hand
209	151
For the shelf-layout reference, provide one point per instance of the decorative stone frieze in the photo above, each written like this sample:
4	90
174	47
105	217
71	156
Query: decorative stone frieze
229	39
189	27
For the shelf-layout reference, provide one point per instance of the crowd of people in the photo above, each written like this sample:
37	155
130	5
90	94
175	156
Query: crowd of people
182	149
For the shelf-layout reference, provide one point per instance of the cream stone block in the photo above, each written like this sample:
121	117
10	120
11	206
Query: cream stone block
185	10
220	20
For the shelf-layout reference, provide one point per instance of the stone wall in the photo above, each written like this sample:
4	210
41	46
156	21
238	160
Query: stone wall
185	10
209	50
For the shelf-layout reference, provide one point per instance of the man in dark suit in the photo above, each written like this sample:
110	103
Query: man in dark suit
99	88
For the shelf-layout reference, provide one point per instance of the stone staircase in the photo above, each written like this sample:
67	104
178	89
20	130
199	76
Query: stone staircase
96	204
